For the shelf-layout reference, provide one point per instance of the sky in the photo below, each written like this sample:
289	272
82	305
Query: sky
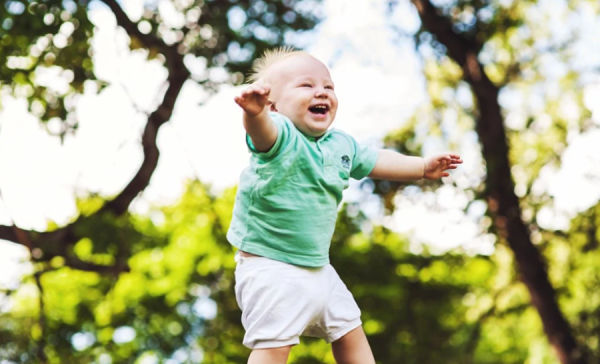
377	91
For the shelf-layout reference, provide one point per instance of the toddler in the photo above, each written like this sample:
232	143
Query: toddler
287	204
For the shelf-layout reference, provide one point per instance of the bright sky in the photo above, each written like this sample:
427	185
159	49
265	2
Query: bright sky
377	90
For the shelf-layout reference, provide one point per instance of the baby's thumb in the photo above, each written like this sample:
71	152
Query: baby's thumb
240	101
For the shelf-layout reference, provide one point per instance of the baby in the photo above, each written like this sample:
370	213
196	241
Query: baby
287	204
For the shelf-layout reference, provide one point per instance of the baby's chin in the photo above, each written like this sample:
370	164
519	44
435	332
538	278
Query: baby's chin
314	131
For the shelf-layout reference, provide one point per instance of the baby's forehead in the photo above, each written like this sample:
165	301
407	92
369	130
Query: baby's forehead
296	66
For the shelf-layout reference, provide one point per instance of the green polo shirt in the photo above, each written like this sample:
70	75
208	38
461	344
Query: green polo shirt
287	200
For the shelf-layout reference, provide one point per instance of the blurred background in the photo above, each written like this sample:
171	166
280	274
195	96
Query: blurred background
121	148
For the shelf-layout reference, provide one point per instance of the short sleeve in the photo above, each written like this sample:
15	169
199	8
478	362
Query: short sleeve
283	135
365	158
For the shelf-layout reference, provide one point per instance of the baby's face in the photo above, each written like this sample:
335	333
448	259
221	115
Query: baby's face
302	90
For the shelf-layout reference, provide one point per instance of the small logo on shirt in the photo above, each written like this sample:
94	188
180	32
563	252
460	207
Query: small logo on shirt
346	162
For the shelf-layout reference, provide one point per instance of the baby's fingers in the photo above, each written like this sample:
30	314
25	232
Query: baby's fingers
240	101
256	90
266	90
456	158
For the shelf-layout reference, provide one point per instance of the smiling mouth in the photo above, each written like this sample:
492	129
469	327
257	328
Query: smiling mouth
319	109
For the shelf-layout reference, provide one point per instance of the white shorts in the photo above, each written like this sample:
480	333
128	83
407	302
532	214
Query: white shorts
280	302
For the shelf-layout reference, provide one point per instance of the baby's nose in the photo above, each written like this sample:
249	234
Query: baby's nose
321	92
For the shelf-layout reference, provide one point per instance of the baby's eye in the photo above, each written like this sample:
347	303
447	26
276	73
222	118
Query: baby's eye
329	87
306	85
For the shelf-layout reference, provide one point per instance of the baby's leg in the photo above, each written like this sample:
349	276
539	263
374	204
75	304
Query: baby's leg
270	356
353	348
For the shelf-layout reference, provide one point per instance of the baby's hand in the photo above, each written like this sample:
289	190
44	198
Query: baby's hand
254	99
436	166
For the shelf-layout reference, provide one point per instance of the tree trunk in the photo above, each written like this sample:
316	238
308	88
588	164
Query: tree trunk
501	198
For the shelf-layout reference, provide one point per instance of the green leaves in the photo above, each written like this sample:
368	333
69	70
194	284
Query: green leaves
530	95
54	37
42	38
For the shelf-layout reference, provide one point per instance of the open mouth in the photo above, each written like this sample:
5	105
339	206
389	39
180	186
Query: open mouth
319	109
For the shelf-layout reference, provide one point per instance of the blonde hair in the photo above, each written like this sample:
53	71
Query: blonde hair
270	57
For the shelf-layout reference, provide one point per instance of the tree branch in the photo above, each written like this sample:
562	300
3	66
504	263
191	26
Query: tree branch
76	263
140	181
62	238
149	41
178	74
501	198
8	233
55	243
41	344
33	239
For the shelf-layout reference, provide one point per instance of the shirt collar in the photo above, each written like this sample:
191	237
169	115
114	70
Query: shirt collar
316	139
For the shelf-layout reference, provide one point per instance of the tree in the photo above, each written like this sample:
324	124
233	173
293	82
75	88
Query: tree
53	34
167	291
492	47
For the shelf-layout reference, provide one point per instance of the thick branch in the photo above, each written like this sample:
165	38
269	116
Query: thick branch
77	263
34	239
440	26
140	181
149	41
178	74
55	243
502	201
8	233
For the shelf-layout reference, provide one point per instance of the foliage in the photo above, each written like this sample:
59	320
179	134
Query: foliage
175	301
470	309
168	297
159	308
45	38
52	39
535	67
107	275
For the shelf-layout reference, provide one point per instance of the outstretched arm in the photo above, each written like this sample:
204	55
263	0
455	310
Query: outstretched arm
393	166
258	124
